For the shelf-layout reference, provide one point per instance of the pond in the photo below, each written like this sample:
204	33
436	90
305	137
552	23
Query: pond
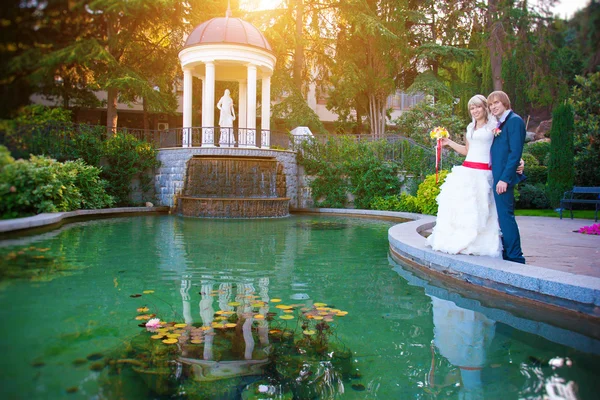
299	307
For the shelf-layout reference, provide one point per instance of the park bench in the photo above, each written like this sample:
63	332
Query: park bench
574	196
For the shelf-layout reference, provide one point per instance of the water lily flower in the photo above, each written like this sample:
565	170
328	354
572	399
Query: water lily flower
154	323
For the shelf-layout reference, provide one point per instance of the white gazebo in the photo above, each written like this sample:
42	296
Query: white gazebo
228	49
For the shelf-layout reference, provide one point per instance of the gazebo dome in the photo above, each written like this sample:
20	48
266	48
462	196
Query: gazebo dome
227	30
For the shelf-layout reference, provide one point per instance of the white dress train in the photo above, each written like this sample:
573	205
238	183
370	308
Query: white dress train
467	220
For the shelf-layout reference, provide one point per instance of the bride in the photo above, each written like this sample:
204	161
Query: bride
467	221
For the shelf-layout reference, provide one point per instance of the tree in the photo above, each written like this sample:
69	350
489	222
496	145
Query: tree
370	57
495	42
586	35
586	102
443	32
560	170
126	48
31	29
299	32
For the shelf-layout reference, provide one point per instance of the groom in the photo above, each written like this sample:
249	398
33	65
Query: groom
506	151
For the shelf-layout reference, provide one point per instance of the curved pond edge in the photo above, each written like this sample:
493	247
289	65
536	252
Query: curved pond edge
574	292
554	288
53	220
533	284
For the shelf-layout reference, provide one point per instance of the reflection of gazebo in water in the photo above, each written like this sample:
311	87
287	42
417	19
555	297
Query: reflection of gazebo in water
227	49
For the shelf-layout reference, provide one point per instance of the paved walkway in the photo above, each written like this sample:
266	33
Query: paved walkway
551	243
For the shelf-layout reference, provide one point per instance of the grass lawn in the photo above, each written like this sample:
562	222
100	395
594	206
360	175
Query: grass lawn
583	214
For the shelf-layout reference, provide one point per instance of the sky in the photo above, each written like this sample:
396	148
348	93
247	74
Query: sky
566	8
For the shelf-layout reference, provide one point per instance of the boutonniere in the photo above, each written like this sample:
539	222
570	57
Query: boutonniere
497	131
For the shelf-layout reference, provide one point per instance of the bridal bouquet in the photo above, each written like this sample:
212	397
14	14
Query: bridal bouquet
437	133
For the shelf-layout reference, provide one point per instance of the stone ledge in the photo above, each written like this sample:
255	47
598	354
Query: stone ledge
563	289
40	220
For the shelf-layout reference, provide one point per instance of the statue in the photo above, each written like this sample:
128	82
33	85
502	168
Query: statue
225	105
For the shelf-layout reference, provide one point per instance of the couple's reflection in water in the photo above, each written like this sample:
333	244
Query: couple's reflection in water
462	337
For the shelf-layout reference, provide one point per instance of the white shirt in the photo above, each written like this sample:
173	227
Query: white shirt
503	117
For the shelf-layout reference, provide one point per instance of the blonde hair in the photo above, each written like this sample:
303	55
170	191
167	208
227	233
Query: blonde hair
479	100
501	97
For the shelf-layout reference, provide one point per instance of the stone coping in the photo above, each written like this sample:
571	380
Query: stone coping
559	288
46	219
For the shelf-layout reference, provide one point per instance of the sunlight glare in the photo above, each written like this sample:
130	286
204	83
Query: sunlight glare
255	5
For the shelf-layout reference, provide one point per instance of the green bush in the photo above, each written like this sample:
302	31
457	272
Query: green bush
378	179
340	165
530	160
427	193
128	158
532	197
536	174
423	117
37	114
41	184
403	202
91	187
540	150
586	102
5	157
560	169
329	188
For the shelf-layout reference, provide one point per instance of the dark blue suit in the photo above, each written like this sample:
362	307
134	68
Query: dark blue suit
506	152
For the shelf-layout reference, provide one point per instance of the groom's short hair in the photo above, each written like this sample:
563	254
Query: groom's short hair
501	97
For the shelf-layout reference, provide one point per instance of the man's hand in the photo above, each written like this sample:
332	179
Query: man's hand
521	167
501	187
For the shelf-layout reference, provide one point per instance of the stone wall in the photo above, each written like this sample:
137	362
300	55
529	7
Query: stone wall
169	178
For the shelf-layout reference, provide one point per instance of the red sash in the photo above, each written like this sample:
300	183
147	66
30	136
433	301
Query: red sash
477	165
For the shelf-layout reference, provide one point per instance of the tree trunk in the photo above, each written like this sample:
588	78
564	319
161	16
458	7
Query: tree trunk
495	41
112	93
299	50
145	115
377	116
358	128
111	110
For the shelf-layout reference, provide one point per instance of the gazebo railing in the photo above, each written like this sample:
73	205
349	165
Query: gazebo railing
221	137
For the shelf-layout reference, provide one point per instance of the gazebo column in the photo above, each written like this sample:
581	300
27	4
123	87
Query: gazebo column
208	101
250	136
265	117
242	108
187	108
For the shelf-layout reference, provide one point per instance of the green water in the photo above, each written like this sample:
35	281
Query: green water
408	337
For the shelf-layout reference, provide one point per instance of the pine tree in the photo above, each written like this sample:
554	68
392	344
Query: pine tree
560	170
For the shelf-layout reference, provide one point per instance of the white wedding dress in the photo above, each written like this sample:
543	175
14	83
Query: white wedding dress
467	220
